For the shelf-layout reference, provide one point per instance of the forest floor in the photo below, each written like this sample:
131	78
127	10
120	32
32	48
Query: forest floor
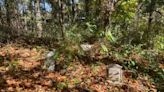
21	71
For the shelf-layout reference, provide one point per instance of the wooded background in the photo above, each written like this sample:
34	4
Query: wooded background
130	21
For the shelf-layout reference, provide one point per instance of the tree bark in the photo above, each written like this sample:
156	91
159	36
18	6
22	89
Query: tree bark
38	18
108	6
87	8
8	12
61	17
73	10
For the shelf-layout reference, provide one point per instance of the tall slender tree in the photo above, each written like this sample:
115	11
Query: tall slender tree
38	18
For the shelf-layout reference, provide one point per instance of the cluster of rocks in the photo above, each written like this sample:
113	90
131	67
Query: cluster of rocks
115	71
49	63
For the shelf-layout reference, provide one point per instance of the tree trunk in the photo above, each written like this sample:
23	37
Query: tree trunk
61	17
87	8
107	9
31	12
38	18
8	12
1	16
73	10
148	32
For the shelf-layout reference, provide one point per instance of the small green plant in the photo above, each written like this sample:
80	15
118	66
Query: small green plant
104	49
62	85
90	27
130	65
76	81
159	42
1	59
110	37
13	65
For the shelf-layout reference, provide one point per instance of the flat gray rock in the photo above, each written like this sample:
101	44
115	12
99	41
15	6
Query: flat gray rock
50	54
86	47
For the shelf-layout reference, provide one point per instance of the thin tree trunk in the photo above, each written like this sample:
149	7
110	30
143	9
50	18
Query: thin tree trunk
31	12
87	8
97	13
98	4
73	10
44	3
25	18
61	18
149	31
1	16
38	18
8	12
137	15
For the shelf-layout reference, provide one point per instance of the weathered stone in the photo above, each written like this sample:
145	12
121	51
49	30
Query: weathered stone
115	74
50	54
51	66
49	63
86	47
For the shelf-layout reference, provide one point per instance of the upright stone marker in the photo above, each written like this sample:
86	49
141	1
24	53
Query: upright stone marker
49	63
115	74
